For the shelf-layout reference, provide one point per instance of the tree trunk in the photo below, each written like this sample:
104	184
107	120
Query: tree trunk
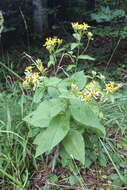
40	22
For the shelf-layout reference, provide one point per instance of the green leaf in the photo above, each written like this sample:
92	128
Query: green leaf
52	81
33	132
94	107
102	159
82	113
74	45
69	67
39	93
53	92
74	145
45	112
51	61
77	36
86	57
59	50
53	135
79	79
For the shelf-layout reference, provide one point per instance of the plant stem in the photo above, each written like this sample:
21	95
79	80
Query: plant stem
11	70
27	31
112	55
86	46
77	56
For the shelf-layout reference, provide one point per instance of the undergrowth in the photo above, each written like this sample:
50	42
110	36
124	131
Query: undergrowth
63	132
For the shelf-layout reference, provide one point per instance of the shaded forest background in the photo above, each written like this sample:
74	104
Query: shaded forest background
40	18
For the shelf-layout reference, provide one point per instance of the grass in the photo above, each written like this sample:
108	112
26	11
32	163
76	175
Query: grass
15	156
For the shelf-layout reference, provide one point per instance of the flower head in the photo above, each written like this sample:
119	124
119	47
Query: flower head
112	87
74	87
80	27
25	83
89	34
28	69
52	42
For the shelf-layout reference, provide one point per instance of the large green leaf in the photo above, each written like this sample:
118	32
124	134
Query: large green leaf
39	93
82	113
53	92
53	135
79	79
74	145
45	112
51	82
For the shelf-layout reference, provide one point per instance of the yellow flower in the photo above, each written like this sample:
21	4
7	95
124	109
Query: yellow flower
59	41
39	65
88	97
88	86
52	42
25	83
109	89
96	90
86	26
112	87
28	69
80	27
90	35
112	84
27	78
74	87
92	93
102	97
36	75
82	94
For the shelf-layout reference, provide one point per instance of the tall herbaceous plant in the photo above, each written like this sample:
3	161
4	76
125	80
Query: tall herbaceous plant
68	108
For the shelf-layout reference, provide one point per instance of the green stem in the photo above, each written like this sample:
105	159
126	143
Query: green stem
27	31
54	64
112	55
11	71
86	46
77	56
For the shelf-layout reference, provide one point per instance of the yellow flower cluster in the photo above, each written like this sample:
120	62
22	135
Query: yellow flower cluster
52	42
28	69
80	27
32	78
91	91
112	87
